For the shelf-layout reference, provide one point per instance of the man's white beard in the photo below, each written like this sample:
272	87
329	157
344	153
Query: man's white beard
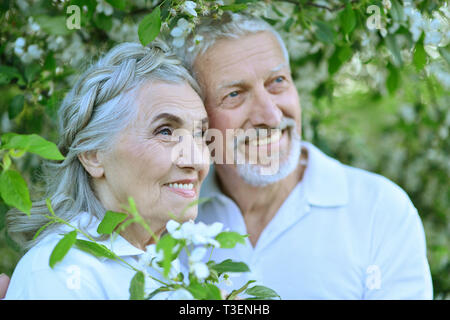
253	173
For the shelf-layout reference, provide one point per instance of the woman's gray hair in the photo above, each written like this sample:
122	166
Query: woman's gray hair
99	106
228	26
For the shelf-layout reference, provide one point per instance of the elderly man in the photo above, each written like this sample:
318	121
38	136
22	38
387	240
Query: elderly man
318	229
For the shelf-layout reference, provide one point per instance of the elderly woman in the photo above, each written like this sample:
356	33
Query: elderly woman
117	132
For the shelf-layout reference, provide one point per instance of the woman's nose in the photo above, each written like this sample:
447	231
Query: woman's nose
193	153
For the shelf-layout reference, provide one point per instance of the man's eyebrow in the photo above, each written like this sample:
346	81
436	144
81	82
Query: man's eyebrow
169	117
279	67
237	83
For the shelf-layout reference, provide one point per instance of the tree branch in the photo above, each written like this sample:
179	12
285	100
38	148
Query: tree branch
312	4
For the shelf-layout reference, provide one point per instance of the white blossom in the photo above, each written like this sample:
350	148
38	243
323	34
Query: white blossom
387	4
415	20
150	257
432	33
106	8
123	31
180	32
195	233
180	294
35	51
200	270
55	43
34	27
197	39
189	8
19	46
197	254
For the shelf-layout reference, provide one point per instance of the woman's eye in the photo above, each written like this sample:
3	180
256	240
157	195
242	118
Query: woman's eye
279	79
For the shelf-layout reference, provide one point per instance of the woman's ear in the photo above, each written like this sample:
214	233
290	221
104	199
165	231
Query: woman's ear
92	163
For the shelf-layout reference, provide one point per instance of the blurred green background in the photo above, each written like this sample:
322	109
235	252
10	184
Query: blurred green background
377	99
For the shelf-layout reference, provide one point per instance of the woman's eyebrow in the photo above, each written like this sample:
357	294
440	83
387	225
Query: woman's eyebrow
169	117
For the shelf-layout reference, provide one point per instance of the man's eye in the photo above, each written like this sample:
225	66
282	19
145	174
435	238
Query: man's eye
279	79
165	132
233	94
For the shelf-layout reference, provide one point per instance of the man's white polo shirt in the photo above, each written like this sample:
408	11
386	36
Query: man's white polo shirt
342	233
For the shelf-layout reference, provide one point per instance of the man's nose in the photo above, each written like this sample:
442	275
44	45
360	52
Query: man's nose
264	110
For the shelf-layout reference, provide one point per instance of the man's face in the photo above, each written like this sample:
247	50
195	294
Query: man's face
247	84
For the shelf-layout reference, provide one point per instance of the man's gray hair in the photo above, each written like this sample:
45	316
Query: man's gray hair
228	26
100	105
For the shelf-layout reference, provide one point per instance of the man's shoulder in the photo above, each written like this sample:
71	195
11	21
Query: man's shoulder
364	180
376	191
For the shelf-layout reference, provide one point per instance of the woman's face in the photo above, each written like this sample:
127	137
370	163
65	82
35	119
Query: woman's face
151	161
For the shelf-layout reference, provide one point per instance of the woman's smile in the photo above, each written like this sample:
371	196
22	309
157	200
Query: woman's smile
186	188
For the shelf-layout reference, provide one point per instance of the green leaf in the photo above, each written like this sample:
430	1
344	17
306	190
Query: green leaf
325	32
234	7
234	293
262	292
393	79
229	239
42	229
137	286
149	27
155	292
50	62
197	290
31	71
8	73
278	12
397	11
348	19
212	292
3	209
16	106
103	21
53	25
32	143
119	4
110	222
14	191
420	55
96	249
445	53
229	265
391	44
288	24
272	22
62	247
166	244
6	162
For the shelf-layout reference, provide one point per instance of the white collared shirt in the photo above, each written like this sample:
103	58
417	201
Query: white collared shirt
342	233
79	275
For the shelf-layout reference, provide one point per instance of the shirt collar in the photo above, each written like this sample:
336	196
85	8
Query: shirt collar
116	243
324	180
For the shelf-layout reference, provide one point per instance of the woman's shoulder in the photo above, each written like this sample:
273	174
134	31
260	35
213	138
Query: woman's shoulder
70	278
